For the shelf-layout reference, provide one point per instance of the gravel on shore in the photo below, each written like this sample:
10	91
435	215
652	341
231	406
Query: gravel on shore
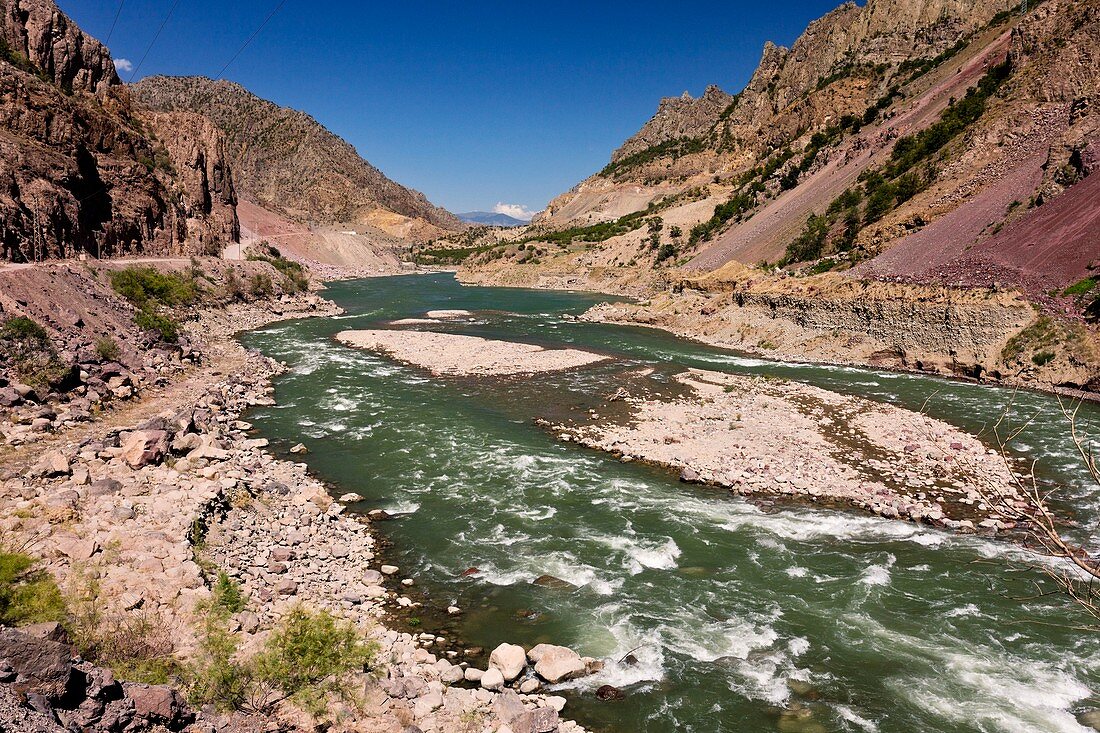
446	354
150	511
762	436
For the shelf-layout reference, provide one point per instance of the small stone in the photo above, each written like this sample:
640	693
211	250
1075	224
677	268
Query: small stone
389	569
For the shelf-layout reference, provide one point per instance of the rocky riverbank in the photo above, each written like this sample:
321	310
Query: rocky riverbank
768	437
150	512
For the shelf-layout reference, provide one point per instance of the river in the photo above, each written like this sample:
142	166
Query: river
741	617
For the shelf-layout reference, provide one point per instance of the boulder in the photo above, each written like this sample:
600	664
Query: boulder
104	486
510	659
608	693
144	448
9	397
52	465
185	442
549	581
492	680
158	704
44	667
210	448
556	663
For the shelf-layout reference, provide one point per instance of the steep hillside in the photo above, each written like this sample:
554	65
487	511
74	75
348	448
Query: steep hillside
81	170
289	163
896	137
843	64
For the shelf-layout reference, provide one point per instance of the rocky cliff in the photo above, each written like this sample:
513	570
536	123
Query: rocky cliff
852	46
287	162
46	38
80	170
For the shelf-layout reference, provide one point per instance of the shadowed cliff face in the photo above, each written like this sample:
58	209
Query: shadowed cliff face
81	170
287	161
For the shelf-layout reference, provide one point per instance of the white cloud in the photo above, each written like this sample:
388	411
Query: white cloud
516	211
124	66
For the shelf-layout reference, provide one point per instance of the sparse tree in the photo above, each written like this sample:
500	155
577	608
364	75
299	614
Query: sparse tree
1075	572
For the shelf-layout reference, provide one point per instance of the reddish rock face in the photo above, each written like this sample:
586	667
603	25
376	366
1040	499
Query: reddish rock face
81	171
46	37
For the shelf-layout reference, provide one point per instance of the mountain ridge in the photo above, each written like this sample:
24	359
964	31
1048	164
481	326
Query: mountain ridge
287	161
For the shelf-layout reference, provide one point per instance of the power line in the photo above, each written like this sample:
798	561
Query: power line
114	22
251	38
155	37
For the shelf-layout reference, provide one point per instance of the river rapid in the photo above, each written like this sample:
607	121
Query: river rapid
742	617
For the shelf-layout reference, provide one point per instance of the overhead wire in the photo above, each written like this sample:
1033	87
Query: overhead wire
154	41
251	38
114	22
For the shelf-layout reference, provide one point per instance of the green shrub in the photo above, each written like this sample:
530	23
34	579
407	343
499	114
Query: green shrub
28	594
227	594
1081	287
261	285
143	286
305	657
106	348
164	327
32	353
21	328
294	275
664	252
1042	358
811	242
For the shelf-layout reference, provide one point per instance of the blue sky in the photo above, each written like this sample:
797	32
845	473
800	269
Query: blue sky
472	103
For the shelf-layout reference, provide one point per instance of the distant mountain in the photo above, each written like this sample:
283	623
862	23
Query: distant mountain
490	218
287	162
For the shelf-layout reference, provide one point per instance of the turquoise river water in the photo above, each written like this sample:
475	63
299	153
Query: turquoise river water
737	613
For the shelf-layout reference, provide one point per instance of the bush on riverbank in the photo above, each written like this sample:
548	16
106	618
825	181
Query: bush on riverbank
305	659
153	292
31	353
28	594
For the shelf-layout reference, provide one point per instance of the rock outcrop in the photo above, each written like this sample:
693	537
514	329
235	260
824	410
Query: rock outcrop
288	162
80	171
847	43
39	32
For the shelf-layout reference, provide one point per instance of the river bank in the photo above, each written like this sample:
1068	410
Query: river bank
987	335
119	502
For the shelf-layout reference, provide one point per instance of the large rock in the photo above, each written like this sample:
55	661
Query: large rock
210	448
52	465
44	667
144	447
510	659
556	663
492	679
157	704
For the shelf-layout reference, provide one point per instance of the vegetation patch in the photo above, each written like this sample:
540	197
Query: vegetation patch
673	149
908	172
28	594
27	346
294	275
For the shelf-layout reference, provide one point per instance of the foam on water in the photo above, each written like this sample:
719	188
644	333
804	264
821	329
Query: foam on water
979	685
